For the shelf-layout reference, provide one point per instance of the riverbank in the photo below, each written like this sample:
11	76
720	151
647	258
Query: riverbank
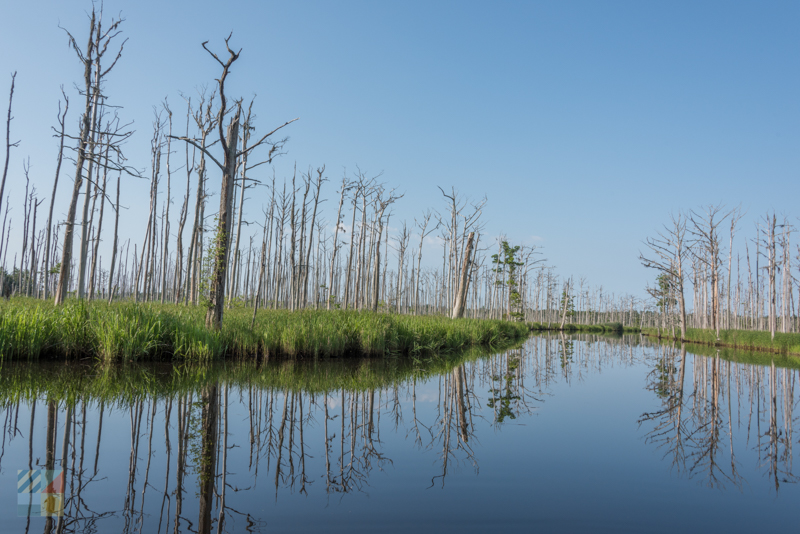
759	341
32	329
605	328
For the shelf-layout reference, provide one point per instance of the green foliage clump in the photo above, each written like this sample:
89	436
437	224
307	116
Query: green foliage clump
506	264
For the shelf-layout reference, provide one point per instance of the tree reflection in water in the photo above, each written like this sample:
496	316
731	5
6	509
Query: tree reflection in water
696	427
217	439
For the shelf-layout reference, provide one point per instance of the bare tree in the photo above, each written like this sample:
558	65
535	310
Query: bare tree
96	47
463	283
346	186
381	205
9	144
229	143
706	249
671	249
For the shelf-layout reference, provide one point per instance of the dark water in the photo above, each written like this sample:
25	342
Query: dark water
575	434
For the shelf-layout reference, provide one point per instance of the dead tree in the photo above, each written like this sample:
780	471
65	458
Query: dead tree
206	122
229	143
423	233
96	250
61	121
706	249
247	126
402	246
9	144
177	279
165	255
114	245
346	186
381	206
320	179
463	283
96	47
671	249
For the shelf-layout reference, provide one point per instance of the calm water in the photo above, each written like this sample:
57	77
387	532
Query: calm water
565	434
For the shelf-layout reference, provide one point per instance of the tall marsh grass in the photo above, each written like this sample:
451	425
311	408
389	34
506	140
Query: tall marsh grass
30	329
740	339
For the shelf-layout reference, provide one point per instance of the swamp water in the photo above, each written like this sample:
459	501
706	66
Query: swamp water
577	433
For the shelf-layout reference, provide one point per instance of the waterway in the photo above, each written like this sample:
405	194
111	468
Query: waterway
580	433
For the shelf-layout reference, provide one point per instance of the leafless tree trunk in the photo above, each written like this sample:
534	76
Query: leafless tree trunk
671	250
94	51
320	180
381	208
165	255
334	250
114	246
229	142
96	250
705	229
463	285
352	243
178	279
246	127
9	144
61	121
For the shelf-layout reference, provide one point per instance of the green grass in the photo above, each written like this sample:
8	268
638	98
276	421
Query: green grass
740	339
126	331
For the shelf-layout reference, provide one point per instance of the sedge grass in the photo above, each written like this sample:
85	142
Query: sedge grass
126	331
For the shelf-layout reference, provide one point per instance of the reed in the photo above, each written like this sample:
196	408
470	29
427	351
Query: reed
126	331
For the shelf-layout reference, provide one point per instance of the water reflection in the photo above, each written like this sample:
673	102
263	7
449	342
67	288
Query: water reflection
696	423
208	447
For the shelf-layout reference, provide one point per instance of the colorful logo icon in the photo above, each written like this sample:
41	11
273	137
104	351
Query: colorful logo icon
40	492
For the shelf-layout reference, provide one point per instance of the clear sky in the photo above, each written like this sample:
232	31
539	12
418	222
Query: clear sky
585	123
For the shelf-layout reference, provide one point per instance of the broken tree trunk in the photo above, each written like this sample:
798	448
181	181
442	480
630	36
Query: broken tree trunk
463	285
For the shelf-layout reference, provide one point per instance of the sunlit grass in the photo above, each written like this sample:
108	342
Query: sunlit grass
30	329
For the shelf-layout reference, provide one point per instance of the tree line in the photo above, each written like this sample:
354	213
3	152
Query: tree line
295	258
750	289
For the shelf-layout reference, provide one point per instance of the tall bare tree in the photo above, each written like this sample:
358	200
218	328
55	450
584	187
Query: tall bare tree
706	249
9	143
229	142
670	249
96	47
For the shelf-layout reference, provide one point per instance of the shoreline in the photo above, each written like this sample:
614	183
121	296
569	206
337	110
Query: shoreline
756	341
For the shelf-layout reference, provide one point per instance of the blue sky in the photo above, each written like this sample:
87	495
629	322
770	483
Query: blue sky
585	123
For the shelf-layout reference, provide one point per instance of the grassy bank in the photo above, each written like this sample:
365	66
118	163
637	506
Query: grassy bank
788	344
31	329
606	328
750	357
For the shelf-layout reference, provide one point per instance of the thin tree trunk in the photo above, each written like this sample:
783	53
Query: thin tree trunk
463	286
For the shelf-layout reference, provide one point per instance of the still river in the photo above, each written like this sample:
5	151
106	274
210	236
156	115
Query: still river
579	433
